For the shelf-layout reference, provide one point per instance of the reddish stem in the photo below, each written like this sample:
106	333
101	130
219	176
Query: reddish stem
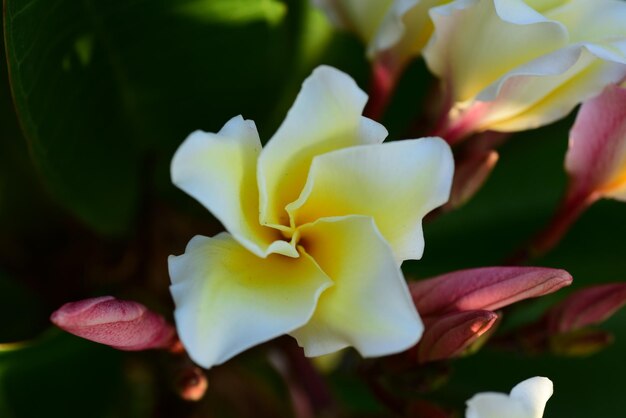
382	85
570	210
310	380
441	118
393	402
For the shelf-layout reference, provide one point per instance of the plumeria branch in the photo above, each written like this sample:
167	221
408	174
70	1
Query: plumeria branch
309	391
569	211
383	82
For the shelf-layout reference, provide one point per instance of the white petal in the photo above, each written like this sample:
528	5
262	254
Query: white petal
393	30
219	170
527	400
494	405
591	20
363	17
511	67
326	116
228	300
392	27
404	31
475	42
547	89
396	183
369	307
534	393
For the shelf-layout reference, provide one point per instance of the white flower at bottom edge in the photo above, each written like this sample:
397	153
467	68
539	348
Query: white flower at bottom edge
318	223
527	400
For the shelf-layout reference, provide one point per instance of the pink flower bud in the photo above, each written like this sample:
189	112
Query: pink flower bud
487	288
596	159
595	162
121	324
585	307
449	335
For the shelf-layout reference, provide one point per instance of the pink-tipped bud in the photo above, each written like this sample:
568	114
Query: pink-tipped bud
596	159
595	162
469	176
488	288
121	324
585	307
451	334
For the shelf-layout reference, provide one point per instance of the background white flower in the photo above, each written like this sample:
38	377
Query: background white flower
511	65
393	30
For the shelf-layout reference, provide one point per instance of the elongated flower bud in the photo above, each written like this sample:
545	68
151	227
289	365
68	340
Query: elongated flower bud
487	288
589	306
449	335
121	324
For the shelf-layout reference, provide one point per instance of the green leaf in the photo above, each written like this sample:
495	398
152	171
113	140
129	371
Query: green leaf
235	11
23	206
105	91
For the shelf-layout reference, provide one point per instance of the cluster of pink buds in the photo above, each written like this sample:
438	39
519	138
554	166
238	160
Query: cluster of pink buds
566	329
460	307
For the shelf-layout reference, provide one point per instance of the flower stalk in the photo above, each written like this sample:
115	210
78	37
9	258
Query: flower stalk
383	82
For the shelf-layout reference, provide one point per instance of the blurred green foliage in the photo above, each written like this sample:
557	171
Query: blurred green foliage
62	376
105	92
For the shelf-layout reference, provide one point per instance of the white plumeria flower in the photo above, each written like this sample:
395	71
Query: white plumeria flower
393	30
319	222
527	400
510	65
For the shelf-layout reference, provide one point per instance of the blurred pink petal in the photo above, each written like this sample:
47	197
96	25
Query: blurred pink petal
596	159
488	288
463	124
449	335
585	307
125	325
469	176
